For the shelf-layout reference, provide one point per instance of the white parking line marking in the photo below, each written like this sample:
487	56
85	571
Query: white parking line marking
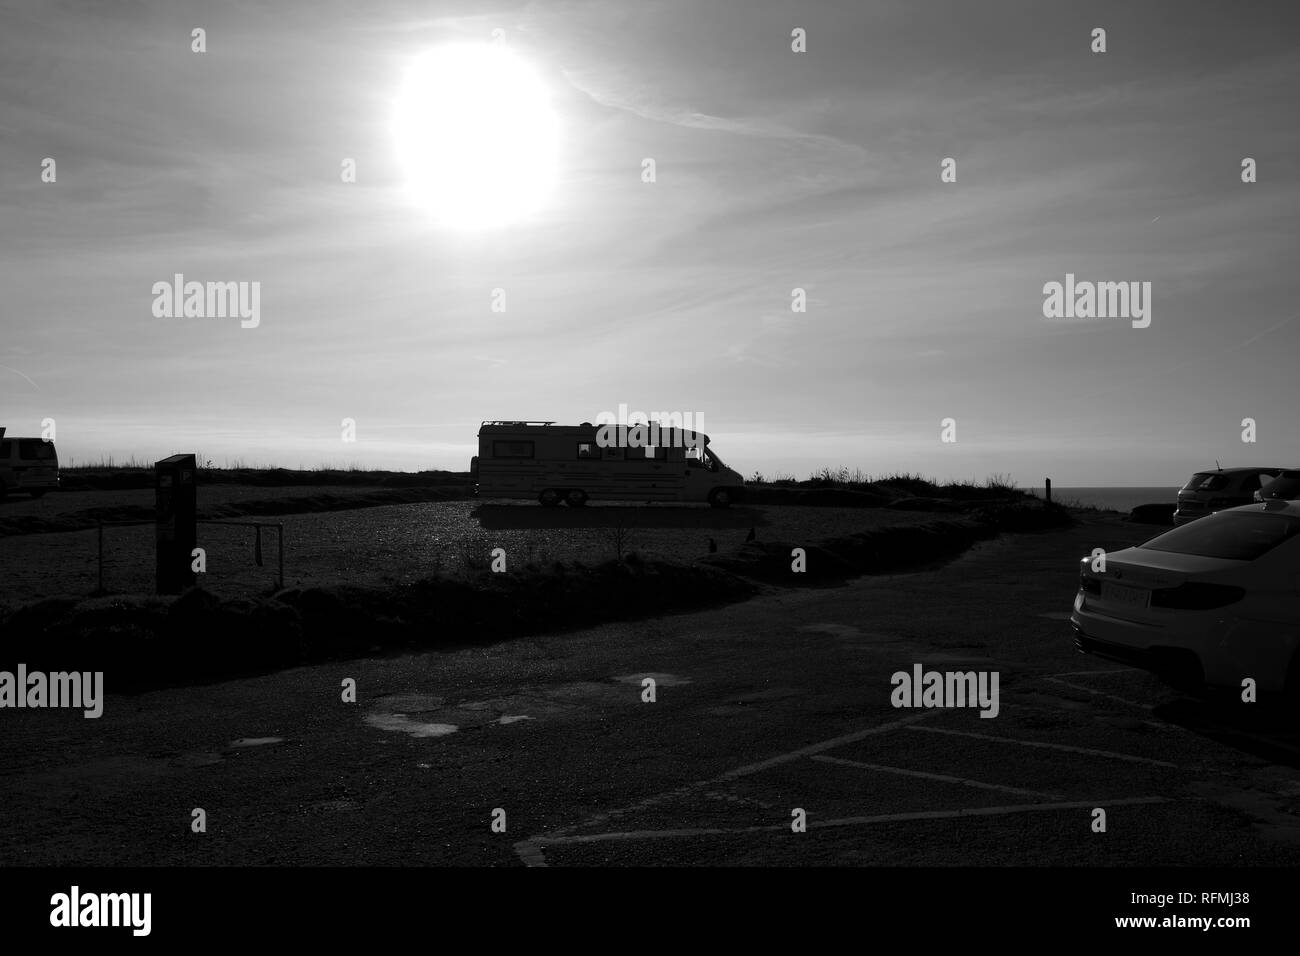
848	821
1122	700
817	748
1038	743
943	778
528	850
986	811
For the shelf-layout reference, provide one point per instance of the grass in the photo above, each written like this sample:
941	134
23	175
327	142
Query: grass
105	464
620	536
1074	504
883	488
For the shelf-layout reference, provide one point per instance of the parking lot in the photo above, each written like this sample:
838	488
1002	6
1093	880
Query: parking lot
763	709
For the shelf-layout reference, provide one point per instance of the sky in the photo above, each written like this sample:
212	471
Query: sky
775	170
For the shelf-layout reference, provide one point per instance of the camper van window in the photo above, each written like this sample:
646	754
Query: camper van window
588	449
512	449
638	453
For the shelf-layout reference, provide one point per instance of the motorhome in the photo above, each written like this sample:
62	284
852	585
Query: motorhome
574	464
28	464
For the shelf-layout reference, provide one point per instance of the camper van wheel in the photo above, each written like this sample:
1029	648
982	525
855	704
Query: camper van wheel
576	498
549	498
720	498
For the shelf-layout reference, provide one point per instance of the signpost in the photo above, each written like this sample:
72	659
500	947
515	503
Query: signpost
176	507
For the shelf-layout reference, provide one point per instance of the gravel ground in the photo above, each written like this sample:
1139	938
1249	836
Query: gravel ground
393	544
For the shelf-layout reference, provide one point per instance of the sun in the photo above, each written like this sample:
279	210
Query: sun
476	135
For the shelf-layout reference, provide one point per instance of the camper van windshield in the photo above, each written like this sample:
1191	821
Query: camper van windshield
704	457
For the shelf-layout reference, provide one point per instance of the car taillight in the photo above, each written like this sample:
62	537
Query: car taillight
1087	583
1196	596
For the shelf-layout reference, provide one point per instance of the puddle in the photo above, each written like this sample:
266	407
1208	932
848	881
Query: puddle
403	724
662	680
424	715
256	741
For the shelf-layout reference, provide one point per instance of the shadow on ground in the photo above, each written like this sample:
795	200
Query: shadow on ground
1269	733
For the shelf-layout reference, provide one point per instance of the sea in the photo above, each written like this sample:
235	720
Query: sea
1115	499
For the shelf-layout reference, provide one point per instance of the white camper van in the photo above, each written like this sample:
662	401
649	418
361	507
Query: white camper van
577	463
28	464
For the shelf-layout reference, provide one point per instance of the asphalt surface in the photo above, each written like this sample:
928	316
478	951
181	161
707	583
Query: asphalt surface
779	704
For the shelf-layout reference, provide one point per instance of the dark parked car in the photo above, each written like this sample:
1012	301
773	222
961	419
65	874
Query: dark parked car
1211	491
1285	487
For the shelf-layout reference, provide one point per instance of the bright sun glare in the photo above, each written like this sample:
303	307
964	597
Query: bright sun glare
476	135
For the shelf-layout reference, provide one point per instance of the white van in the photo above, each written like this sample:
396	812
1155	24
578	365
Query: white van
28	464
567	463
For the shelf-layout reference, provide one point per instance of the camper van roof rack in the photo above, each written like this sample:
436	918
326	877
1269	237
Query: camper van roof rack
518	423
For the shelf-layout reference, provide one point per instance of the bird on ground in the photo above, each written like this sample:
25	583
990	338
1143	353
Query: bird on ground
713	546
750	536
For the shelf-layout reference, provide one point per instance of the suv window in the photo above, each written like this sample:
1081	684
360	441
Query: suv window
35	449
1234	535
1206	481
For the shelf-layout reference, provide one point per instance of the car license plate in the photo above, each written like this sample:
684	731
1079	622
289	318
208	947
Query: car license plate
1119	594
